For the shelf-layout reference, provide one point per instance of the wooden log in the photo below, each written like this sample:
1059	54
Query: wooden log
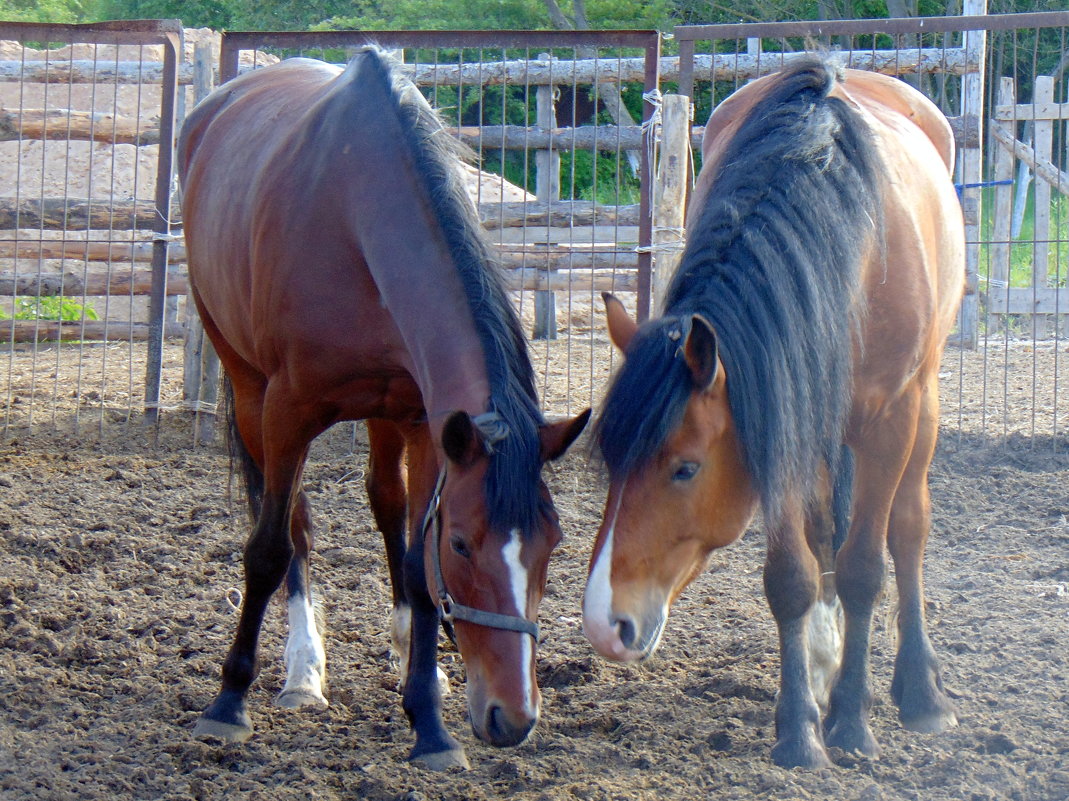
970	161
579	236
566	259
90	71
1031	111
64	124
1044	168
77	214
744	66
576	212
615	138
89	331
571	281
547	189
116	252
1028	300
670	192
118	283
1002	216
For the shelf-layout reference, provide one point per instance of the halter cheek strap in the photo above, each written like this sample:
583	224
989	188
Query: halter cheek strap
448	609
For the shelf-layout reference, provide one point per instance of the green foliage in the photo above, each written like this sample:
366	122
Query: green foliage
51	307
63	11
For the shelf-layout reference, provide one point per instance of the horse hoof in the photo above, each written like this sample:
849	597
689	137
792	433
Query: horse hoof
853	739
443	760
294	699
932	723
800	754
227	732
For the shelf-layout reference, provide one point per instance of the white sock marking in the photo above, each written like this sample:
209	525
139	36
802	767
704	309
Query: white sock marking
824	632
306	659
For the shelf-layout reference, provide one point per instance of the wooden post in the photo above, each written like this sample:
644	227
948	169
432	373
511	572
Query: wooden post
1002	222
971	164
200	391
670	193
1042	94
547	189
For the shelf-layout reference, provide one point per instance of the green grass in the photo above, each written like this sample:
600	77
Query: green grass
1022	250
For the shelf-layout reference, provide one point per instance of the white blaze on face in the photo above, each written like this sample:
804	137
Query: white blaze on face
598	625
510	554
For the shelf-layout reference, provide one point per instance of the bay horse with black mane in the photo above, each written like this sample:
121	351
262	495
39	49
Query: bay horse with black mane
794	371
339	269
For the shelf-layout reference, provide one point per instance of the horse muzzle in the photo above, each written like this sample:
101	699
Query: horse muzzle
504	728
624	637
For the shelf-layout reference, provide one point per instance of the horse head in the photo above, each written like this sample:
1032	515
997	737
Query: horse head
669	508
489	582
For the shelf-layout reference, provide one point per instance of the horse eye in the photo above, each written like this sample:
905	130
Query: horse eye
686	471
460	547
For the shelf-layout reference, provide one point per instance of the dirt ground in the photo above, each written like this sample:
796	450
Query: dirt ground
118	551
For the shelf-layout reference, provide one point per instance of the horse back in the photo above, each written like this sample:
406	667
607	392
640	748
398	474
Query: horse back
914	278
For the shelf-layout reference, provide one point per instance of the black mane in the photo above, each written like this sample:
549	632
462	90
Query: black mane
772	261
512	478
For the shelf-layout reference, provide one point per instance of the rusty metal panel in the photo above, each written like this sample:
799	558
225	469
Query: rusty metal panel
87	125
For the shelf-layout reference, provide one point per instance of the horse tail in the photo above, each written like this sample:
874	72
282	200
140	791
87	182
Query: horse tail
842	496
252	477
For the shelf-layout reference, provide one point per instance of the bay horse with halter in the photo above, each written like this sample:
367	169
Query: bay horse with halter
794	371
339	269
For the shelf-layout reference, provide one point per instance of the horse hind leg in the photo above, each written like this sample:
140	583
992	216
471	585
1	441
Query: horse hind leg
267	557
306	659
916	687
826	526
860	570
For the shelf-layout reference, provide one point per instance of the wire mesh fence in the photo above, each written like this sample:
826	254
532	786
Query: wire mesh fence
562	128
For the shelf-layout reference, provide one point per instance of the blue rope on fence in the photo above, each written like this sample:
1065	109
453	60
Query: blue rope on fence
982	184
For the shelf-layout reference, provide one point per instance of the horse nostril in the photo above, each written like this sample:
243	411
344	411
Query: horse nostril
627	632
503	733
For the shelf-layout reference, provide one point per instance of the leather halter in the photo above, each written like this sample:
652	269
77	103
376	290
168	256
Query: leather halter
448	609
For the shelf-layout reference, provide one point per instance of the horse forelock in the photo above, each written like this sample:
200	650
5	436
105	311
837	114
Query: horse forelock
646	399
512	479
773	261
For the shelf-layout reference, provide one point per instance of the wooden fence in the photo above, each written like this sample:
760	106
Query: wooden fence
110	247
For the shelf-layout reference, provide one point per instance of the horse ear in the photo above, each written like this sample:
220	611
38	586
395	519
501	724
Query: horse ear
621	327
700	352
556	438
461	440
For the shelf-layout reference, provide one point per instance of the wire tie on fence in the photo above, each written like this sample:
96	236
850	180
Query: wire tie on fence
234	598
651	128
675	246
200	406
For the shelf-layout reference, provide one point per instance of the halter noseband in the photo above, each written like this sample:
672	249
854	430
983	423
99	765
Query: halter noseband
448	609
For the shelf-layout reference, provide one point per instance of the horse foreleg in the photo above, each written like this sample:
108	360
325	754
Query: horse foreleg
435	748
791	580
306	658
916	687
